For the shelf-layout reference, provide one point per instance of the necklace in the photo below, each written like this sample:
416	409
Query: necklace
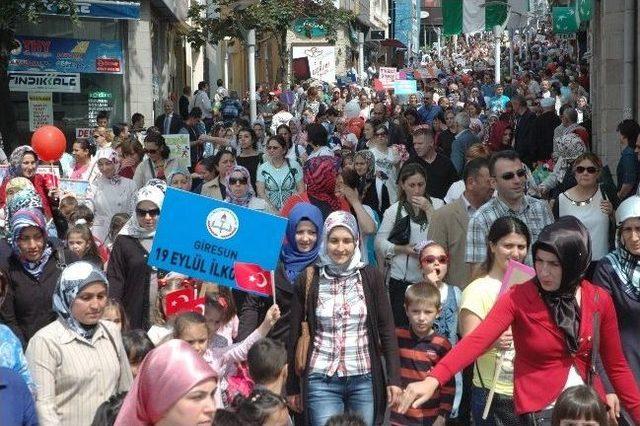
583	202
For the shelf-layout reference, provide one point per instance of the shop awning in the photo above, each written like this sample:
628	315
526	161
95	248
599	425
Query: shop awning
102	9
392	42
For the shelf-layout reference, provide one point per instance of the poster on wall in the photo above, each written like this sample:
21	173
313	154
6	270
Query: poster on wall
322	61
67	55
40	110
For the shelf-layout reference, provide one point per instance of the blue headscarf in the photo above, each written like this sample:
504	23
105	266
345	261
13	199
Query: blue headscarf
21	220
295	261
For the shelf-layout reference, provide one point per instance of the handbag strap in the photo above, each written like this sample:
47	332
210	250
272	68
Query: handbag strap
115	348
309	277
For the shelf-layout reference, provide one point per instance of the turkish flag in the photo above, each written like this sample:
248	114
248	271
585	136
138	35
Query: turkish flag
253	279
183	300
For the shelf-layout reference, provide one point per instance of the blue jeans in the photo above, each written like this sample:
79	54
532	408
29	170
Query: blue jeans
331	395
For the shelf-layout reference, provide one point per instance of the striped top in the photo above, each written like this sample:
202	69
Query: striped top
417	358
73	375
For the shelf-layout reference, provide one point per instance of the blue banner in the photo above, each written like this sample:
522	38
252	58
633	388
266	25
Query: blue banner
67	55
202	237
100	9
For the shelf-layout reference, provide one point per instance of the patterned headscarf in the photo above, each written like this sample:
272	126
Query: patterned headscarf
17	184
244	199
348	221
21	220
320	175
73	279
15	159
132	227
110	154
158	183
27	198
370	174
179	170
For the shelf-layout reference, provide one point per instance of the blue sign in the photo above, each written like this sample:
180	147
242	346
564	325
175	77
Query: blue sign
67	55
100	9
405	87
202	237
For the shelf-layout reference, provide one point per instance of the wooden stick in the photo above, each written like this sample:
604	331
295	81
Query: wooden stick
492	392
273	285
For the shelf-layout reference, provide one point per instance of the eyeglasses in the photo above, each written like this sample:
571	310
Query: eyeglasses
510	175
591	170
432	259
272	147
144	213
233	180
150	151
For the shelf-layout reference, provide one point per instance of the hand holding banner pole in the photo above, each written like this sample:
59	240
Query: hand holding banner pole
273	286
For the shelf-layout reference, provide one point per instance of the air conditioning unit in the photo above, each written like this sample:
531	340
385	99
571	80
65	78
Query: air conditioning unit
376	35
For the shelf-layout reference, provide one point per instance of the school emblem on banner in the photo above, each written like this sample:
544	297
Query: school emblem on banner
222	223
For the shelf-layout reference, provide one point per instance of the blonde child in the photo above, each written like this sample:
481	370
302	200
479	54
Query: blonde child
114	312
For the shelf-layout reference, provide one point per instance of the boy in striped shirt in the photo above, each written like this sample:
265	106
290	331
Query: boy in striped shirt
420	350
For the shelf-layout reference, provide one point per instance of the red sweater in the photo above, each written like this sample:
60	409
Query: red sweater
542	362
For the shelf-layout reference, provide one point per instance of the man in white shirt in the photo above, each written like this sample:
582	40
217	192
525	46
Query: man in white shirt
201	100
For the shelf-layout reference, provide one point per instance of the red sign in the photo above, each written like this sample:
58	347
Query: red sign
108	65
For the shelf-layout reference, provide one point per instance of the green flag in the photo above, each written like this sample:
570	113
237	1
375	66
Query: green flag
585	10
565	20
470	16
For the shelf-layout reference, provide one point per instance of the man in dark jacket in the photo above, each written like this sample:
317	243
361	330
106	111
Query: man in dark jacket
542	130
524	145
169	123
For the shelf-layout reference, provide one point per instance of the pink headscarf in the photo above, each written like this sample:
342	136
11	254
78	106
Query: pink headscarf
166	375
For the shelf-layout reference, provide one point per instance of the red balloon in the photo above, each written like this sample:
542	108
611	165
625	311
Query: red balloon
49	143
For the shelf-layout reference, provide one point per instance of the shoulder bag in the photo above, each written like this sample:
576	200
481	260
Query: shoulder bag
401	231
302	346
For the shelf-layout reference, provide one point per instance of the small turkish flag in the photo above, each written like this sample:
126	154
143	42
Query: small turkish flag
253	279
183	300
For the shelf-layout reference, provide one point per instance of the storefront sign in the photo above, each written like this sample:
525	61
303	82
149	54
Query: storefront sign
40	110
100	9
67	55
206	239
26	81
322	61
100	100
84	132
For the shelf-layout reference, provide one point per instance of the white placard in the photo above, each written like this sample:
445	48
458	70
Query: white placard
34	81
387	75
322	61
40	110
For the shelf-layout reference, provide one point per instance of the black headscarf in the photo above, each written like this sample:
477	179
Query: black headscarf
569	240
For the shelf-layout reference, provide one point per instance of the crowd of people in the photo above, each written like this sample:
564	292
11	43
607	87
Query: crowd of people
394	306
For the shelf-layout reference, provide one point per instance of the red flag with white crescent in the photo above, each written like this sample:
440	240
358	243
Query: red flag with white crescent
253	279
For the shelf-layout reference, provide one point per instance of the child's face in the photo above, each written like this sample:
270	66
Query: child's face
77	244
112	314
214	319
433	262
67	210
197	336
421	316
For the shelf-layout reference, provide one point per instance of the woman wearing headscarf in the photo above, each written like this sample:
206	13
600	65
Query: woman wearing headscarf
552	321
240	191
499	136
619	274
133	282
179	177
78	361
320	174
561	179
351	332
33	270
23	162
365	165
299	251
174	386
110	193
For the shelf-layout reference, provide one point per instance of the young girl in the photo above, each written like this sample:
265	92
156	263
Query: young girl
114	312
81	242
192	328
579	406
117	222
84	216
137	345
221	314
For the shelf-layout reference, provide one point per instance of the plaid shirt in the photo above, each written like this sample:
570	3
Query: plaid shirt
341	343
535	213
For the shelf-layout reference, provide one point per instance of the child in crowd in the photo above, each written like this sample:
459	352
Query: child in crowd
221	314
420	350
84	216
162	328
137	345
192	328
579	406
80	241
114	312
117	222
267	361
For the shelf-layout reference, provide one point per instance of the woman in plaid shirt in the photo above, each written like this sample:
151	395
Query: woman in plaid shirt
351	328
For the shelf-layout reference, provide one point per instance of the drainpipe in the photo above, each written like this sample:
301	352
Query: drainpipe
628	60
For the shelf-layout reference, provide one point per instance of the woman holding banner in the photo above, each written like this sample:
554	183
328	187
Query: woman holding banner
556	317
109	193
299	251
508	239
132	281
351	331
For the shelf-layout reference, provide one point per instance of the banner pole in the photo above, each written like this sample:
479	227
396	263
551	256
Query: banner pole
273	285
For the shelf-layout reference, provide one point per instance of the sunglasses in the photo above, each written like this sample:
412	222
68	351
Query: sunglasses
432	259
510	175
151	212
233	181
591	170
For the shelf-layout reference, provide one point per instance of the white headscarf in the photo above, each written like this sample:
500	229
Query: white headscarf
348	221
132	227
